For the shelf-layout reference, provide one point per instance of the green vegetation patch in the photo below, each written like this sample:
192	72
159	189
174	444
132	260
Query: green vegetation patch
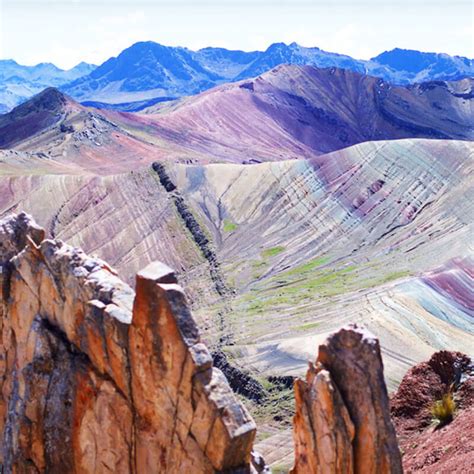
307	283
277	407
308	266
280	468
230	226
271	252
443	410
382	279
258	263
283	300
307	326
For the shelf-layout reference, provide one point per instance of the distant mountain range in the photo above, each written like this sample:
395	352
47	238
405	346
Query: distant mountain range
147	71
18	82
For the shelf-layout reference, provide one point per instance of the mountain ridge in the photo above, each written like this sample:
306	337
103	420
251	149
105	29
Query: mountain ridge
289	112
148	71
302	111
209	67
19	82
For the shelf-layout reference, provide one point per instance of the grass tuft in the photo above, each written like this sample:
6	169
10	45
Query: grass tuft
308	266
443	410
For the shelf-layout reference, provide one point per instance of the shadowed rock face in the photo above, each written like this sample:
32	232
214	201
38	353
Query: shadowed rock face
95	378
39	113
342	421
54	128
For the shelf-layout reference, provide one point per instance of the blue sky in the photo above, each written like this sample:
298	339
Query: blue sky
66	32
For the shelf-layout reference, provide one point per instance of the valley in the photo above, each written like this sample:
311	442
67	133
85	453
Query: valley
302	246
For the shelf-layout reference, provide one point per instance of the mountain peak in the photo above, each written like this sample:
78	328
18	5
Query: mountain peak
9	62
48	67
83	65
414	62
49	99
35	115
145	46
149	70
277	46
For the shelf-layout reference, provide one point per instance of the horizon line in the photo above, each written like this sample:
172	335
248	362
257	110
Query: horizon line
229	49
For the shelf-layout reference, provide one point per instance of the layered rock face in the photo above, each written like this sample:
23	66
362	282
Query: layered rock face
96	378
342	422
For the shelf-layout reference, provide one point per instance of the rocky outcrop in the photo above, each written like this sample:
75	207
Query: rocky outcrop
436	447
342	422
205	246
97	378
193	226
422	385
240	381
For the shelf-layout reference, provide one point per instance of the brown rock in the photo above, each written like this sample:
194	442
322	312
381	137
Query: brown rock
342	421
427	447
94	378
323	428
421	386
203	426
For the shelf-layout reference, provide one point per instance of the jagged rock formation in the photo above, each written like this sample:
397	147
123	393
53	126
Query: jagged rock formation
342	422
95	378
424	383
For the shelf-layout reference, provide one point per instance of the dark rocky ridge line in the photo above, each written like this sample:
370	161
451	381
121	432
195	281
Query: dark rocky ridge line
240	381
204	246
194	228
